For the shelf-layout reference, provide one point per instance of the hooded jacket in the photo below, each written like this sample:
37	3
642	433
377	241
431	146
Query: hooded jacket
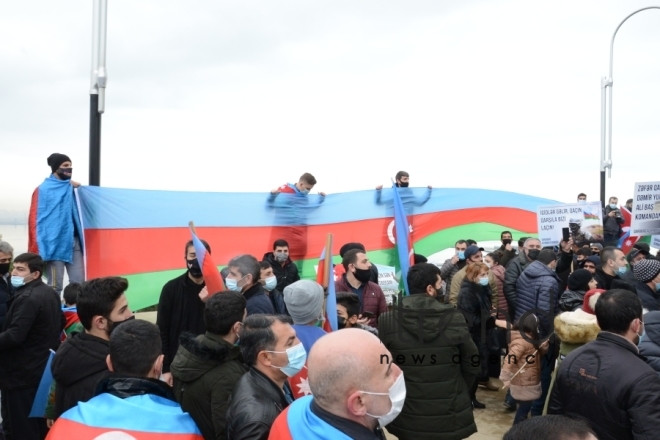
538	288
287	274
205	370
499	272
606	383
649	346
78	366
609	282
431	343
513	271
524	362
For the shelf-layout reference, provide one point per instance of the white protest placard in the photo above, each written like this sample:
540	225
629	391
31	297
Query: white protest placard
646	209
584	221
655	241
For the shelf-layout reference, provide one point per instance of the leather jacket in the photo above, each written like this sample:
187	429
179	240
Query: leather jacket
254	405
123	387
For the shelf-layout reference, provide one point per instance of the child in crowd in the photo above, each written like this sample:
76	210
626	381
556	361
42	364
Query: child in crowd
73	324
348	311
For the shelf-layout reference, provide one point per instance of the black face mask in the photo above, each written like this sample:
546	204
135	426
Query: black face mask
341	322
362	275
61	171
404	184
194	269
4	268
506	241
533	254
116	324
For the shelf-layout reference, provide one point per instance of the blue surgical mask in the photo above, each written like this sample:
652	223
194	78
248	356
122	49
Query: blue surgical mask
657	287
297	357
483	281
461	255
233	285
304	191
582	202
17	281
622	270
613	205
271	283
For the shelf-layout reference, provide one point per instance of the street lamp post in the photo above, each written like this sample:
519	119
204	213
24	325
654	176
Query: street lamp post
606	114
97	89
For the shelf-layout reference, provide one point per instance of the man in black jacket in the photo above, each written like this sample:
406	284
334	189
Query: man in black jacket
530	252
270	347
285	271
32	328
180	309
613	267
506	251
647	273
6	289
244	275
612	222
606	381
80	363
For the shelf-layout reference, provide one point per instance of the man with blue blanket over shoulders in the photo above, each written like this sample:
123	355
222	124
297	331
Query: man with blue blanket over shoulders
356	388
55	231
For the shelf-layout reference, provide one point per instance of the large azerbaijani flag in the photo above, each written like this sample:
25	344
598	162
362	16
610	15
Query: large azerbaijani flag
119	220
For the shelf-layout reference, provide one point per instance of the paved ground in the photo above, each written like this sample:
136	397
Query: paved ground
492	422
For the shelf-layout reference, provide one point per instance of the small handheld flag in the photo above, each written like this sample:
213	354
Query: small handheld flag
212	277
41	398
325	277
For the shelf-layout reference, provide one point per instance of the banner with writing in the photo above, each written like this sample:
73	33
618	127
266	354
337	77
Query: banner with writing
584	221
646	209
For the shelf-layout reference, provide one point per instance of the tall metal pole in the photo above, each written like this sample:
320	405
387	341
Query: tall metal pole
606	122
97	89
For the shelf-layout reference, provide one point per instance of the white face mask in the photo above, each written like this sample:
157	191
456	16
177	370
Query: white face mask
397	395
271	283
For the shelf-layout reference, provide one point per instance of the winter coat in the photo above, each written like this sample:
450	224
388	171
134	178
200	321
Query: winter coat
179	310
78	366
612	225
205	370
650	297
649	345
457	283
506	255
538	288
474	300
373	298
571	300
609	282
576	328
498	272
6	294
513	271
287	274
32	328
255	403
524	362
257	301
606	383
438	365
277	299
447	272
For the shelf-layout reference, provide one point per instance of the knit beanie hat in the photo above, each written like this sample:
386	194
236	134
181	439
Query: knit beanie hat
646	270
590	299
579	280
57	159
304	301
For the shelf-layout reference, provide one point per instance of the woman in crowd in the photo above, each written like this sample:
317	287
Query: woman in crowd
579	283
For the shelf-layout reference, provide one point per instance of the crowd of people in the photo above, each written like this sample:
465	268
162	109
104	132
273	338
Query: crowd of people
562	329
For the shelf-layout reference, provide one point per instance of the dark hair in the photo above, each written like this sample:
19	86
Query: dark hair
264	265
459	242
585	251
350	301
581	195
225	271
247	265
521	241
547	256
616	309
505	232
613	197
70	293
351	257
308	178
422	275
401	174
280	243
495	256
629	201
190	243
34	262
222	311
529	326
97	297
134	347
609	253
257	335
419	258
550	427
470	242
350	246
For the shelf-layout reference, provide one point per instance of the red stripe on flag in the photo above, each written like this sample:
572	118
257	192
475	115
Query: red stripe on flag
65	429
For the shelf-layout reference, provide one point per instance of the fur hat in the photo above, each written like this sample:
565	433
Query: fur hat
646	270
579	280
590	299
304	301
577	327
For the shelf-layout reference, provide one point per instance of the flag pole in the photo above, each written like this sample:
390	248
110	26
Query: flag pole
327	264
192	227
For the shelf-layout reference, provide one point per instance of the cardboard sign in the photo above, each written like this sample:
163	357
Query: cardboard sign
646	209
584	220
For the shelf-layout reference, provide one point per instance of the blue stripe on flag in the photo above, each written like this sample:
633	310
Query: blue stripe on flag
402	234
41	398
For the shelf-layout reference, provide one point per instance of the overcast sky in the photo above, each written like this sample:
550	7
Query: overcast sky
245	95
